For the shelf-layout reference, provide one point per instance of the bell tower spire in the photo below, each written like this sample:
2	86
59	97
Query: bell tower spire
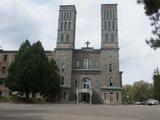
109	27
66	27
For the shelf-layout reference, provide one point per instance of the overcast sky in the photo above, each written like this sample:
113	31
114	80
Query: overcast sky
37	20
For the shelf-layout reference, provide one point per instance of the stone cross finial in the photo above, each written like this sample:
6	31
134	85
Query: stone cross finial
87	43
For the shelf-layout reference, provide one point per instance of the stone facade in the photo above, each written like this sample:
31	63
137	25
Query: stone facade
87	74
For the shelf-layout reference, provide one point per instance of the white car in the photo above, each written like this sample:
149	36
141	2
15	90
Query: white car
152	102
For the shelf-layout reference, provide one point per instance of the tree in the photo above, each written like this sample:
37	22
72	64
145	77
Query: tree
52	86
139	91
38	67
127	97
152	9
156	79
32	73
18	72
142	91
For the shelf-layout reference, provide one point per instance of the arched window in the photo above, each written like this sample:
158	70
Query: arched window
67	37
61	37
69	25
112	37
65	25
109	25
106	37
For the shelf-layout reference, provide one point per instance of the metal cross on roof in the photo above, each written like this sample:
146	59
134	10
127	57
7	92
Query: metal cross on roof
87	43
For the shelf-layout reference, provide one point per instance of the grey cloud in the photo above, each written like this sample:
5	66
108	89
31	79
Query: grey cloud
37	20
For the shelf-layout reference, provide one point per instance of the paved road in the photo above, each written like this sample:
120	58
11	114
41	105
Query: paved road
78	112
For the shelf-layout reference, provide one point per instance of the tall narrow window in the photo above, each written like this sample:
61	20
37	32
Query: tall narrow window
67	37
67	15
70	15
110	67
104	14
106	37
64	15
96	64
109	25
75	83
111	97
64	95
62	37
114	14
105	25
61	26
112	37
105	96
3	70
63	67
97	84
65	25
62	80
117	97
69	25
61	15
110	81
113	25
87	63
110	14
5	57
77	64
107	14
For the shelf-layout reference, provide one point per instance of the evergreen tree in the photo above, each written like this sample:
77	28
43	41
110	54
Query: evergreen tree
18	72
156	78
32	73
52	86
152	9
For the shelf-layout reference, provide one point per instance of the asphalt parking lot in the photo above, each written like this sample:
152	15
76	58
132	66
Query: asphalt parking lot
78	112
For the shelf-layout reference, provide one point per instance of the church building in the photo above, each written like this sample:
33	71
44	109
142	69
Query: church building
88	75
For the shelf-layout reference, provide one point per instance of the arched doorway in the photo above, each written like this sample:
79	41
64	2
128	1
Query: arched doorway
86	84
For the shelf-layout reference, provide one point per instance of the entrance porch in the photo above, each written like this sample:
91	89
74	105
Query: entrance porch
84	95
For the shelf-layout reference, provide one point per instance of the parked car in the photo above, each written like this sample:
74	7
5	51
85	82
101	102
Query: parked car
137	103
152	102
